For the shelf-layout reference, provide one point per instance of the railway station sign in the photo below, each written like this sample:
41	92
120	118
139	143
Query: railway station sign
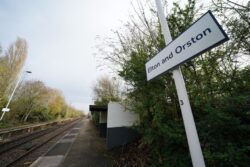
201	36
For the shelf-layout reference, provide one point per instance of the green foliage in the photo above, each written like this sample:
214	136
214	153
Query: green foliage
217	82
225	135
71	112
35	102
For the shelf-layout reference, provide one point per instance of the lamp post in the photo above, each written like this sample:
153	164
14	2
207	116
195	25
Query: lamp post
6	109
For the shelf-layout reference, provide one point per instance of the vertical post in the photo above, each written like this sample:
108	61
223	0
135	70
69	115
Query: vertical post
12	94
189	124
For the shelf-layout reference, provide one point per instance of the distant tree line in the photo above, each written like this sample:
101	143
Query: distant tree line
217	82
33	101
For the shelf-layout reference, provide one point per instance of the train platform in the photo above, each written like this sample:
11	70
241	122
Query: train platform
81	147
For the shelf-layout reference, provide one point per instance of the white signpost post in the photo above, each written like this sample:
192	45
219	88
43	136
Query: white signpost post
204	34
6	109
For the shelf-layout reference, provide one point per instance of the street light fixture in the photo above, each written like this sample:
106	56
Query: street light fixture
6	109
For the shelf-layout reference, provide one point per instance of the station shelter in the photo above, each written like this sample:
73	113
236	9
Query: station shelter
115	123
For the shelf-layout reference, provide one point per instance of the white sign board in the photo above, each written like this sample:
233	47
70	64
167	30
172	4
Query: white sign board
5	110
202	35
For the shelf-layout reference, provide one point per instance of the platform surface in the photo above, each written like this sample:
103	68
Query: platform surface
81	147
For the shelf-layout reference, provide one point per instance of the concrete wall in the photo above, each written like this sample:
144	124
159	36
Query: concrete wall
118	127
118	116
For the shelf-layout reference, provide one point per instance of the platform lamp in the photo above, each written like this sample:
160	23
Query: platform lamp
6	109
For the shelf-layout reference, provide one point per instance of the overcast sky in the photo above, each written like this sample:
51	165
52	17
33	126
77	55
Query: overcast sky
61	35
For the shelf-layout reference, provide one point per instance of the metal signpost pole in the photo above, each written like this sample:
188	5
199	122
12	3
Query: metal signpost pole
11	96
190	128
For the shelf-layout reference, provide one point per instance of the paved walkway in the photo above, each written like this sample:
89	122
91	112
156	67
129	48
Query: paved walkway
82	147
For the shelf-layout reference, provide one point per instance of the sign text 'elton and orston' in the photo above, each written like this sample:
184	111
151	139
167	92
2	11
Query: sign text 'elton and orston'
204	34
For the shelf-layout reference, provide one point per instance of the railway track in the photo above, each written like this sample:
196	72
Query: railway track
13	151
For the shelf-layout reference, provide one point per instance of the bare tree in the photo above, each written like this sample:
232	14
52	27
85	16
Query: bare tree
106	90
11	64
